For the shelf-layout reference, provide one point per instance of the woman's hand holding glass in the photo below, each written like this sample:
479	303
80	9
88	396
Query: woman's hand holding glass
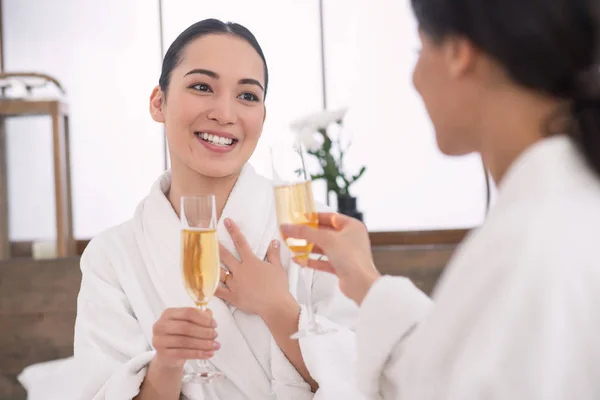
182	334
345	242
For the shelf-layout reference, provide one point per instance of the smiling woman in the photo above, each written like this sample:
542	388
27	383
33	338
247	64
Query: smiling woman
136	326
212	88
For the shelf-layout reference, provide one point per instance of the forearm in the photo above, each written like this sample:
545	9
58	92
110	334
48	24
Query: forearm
282	321
161	383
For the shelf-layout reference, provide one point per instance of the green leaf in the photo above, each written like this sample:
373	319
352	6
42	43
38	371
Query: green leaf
360	173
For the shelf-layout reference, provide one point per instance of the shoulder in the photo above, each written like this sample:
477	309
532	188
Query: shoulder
563	228
99	253
109	238
545	249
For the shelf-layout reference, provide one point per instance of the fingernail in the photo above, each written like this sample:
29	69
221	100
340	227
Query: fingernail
215	334
217	345
275	244
214	324
227	223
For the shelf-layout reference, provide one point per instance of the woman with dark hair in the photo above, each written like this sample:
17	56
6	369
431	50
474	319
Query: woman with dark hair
137	331
514	314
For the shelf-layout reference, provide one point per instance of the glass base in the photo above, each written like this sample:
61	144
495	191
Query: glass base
202	377
312	330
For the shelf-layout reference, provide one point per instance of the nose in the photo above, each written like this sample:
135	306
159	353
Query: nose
223	111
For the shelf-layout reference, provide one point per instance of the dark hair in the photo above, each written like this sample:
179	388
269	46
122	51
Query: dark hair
199	29
546	45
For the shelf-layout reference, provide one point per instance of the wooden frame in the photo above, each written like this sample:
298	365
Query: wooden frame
4	244
437	237
58	111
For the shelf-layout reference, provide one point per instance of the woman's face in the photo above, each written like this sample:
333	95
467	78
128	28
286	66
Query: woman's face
214	109
449	93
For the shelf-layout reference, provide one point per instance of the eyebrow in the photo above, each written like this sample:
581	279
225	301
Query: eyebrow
212	74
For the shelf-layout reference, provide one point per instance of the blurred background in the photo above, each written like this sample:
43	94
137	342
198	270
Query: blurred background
107	55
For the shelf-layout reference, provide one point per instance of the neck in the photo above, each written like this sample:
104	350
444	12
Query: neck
187	182
510	123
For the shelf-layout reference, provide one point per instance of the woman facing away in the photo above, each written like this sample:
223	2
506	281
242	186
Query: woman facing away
515	313
136	326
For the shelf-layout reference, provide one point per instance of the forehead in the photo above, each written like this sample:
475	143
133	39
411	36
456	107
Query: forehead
229	56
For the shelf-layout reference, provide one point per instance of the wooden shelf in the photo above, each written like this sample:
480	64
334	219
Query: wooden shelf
19	107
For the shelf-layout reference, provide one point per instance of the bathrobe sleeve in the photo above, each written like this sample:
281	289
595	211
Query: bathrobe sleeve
379	332
110	350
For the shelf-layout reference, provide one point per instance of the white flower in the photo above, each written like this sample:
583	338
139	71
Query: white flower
317	121
307	127
308	139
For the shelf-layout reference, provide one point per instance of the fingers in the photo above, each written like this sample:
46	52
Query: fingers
320	237
184	329
193	315
273	254
186	354
227	258
184	334
317	250
225	294
333	220
224	276
316	264
171	342
240	242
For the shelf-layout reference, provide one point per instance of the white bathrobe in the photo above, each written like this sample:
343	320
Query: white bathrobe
131	273
516	312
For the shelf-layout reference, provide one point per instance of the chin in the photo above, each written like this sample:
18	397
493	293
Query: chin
451	145
214	170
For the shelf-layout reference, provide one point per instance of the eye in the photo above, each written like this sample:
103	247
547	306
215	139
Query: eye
248	96
201	87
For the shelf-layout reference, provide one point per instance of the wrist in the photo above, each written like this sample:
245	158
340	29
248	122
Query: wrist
283	308
166	368
363	284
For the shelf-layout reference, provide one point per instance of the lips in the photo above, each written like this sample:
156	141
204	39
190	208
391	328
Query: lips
216	139
217	142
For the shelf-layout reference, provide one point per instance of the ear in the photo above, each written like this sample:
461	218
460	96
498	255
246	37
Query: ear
460	55
157	105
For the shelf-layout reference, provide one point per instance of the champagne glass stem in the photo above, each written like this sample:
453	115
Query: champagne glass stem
203	364
308	289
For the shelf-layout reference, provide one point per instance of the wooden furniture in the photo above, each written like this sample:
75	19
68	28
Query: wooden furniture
58	112
423	264
38	301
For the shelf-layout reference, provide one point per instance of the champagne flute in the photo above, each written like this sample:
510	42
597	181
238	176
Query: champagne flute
295	205
200	263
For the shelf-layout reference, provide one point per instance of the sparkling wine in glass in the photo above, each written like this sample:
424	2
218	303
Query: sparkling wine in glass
200	264
295	205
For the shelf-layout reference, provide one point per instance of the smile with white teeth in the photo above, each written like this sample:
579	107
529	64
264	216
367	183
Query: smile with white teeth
214	139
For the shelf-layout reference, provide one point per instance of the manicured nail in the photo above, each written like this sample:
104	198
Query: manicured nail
227	223
217	345
275	244
214	324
